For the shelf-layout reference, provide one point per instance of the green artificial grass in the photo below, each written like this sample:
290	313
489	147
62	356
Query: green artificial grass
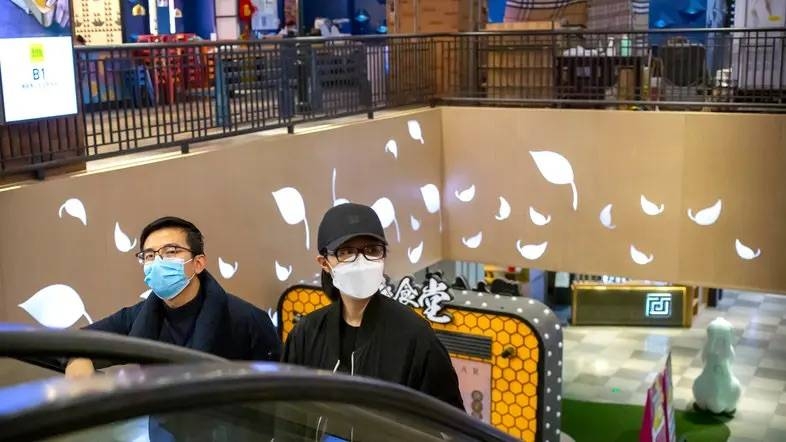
601	422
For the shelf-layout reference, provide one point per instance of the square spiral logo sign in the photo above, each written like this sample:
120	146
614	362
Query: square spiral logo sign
658	305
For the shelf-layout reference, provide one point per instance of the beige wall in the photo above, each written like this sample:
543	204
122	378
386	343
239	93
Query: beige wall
227	193
681	160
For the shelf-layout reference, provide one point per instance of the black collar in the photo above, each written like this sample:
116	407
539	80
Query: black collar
369	324
148	322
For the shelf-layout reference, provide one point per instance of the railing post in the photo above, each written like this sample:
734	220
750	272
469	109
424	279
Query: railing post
310	84
287	83
222	96
363	82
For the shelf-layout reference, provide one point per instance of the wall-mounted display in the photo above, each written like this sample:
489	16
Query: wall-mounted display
36	60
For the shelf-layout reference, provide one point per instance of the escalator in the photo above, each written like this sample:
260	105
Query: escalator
182	395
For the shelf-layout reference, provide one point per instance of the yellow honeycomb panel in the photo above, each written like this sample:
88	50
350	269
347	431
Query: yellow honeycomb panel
514	380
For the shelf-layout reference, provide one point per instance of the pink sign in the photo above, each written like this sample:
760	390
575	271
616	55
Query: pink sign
653	427
475	385
668	402
658	424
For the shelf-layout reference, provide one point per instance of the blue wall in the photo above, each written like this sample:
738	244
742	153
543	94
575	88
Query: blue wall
324	8
496	11
179	22
199	17
676	14
133	26
344	9
376	12
163	21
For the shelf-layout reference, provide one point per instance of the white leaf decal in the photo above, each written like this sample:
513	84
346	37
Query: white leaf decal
556	169
537	218
293	209
746	252
392	147
56	306
650	208
415	131
415	223
282	273
640	258
122	242
708	216
273	316
532	251
504	210
387	214
431	198
474	241
605	217
466	195
414	254
145	294
337	201
75	208
227	270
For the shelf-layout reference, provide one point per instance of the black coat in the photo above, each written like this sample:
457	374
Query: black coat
393	344
226	325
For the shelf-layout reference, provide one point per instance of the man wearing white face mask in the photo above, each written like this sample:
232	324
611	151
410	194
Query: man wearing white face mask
187	306
363	332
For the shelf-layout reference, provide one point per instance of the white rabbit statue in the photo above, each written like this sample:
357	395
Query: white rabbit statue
717	389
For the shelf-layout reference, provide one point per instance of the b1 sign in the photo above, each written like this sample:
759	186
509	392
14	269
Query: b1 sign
37	78
36	60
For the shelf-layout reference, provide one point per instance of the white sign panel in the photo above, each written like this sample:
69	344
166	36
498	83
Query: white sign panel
38	78
36	60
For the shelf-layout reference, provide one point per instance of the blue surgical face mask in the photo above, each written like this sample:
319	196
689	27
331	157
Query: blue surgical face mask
167	277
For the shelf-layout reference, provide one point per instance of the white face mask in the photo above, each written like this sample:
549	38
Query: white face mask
359	279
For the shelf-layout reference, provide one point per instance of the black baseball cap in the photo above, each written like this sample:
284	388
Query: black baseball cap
346	221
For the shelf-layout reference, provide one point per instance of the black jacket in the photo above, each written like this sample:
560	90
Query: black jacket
226	325
394	344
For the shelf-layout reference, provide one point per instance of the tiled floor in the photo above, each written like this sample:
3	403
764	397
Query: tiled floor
617	364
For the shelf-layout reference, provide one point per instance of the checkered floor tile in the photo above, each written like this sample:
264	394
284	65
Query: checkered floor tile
617	364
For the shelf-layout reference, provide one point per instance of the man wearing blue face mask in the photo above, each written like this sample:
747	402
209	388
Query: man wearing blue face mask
187	306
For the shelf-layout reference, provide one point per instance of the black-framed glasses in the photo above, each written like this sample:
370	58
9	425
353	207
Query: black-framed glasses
373	252
167	251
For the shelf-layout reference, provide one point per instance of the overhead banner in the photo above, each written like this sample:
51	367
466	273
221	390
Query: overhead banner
36	60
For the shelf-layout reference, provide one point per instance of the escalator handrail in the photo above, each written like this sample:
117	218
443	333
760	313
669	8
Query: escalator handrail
51	348
195	388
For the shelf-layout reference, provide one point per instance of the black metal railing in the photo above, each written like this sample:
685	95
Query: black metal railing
729	69
146	96
152	95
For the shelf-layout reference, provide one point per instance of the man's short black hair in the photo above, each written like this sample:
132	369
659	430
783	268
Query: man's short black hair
194	238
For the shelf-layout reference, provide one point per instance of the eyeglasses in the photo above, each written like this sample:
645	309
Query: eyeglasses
350	254
168	251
